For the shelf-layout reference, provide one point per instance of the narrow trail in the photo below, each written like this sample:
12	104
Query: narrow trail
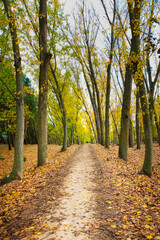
74	216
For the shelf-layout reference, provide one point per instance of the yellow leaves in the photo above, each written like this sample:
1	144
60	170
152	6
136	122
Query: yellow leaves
109	220
67	226
113	226
118	185
144	206
36	237
124	226
41	15
31	228
19	93
56	4
148	227
150	236
109	202
133	210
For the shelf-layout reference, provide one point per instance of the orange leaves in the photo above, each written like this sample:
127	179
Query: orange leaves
134	199
14	195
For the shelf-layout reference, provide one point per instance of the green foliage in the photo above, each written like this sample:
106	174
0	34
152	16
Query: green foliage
8	96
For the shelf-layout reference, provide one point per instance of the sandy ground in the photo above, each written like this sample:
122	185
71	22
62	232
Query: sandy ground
75	213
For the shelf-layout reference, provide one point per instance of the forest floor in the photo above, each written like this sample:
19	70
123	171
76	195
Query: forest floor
86	192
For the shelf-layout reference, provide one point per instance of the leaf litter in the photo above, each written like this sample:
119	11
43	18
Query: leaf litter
127	205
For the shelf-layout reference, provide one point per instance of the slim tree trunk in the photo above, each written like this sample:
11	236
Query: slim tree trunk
147	165
116	127
157	126
107	139
137	122
62	107
43	84
94	82
9	141
65	131
72	135
12	140
108	89
93	101
124	133
17	170
130	134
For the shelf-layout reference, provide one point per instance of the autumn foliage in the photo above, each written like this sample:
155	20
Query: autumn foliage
133	203
130	201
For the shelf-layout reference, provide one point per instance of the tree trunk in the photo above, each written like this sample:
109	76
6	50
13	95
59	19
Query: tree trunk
62	107
43	84
93	102
134	13
17	170
9	141
157	126
65	131
108	89
147	165
137	122
93	79
124	133
72	135
12	140
107	140
116	128
130	134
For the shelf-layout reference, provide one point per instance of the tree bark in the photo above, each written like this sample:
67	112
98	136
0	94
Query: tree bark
93	102
9	141
134	13
62	107
147	165
17	170
43	84
137	122
124	133
130	134
108	87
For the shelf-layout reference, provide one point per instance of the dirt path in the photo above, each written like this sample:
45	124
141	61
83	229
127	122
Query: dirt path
74	218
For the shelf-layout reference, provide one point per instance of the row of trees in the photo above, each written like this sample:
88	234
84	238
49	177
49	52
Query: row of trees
81	67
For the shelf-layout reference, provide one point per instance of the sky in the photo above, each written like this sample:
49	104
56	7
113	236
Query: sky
69	5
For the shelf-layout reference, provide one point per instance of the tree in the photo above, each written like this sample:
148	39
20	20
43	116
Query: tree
151	74
82	43
134	14
108	85
43	84
17	170
137	122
